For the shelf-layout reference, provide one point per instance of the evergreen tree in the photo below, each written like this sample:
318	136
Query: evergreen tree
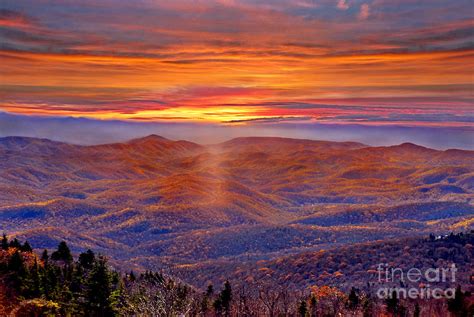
99	289
50	281
226	298
303	309
457	305
15	244
223	301
77	281
117	297
210	290
87	259
45	257
353	299
35	280
62	254
313	306
26	247
16	264
66	298
17	267
4	242
206	299
392	303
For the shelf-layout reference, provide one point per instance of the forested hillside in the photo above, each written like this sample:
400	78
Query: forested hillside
346	266
58	284
152	202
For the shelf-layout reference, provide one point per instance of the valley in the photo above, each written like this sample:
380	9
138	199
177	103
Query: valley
154	203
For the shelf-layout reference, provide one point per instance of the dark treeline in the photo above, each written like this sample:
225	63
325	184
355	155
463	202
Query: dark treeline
56	284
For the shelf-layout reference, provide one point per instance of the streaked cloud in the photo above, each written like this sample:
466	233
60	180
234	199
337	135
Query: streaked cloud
240	61
13	19
403	118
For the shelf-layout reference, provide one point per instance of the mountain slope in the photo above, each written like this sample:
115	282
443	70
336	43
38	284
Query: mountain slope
154	202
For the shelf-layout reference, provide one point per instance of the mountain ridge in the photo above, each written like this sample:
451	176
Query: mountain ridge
153	202
234	141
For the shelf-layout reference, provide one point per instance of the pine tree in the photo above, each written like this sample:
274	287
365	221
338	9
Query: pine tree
50	281
45	256
117	296
15	244
16	265
313	306
353	299
303	309
210	290
392	303
206	299
223	301
99	289
87	259
66	298
26	247
457	305
62	254
35	280
4	242
77	281
226	298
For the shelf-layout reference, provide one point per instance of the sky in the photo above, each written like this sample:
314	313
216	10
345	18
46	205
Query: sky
245	65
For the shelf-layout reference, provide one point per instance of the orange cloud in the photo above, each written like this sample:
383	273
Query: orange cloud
364	11
342	4
231	60
13	19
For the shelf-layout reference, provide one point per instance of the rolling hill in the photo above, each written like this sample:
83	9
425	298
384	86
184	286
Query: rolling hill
153	202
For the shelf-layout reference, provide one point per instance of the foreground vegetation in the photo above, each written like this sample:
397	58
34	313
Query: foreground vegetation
56	284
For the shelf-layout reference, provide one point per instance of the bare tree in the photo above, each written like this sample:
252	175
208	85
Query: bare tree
270	297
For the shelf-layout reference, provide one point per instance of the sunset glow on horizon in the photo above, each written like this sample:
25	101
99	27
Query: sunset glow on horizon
236	62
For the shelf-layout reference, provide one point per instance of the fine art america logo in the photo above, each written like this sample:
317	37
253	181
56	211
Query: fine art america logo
428	281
